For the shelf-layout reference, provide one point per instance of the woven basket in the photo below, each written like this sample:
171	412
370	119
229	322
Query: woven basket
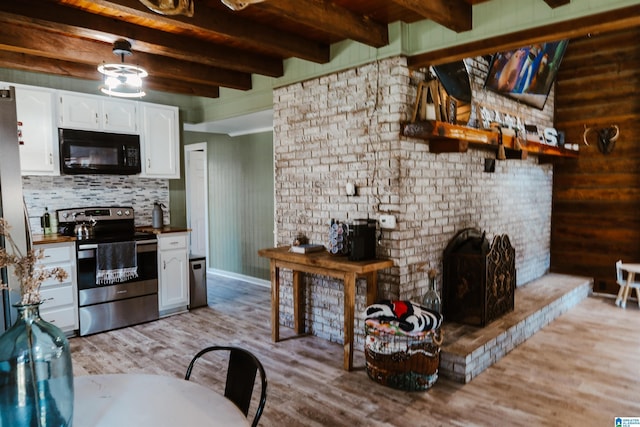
404	362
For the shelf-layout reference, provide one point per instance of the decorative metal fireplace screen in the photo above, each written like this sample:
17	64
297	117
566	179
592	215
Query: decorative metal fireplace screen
479	280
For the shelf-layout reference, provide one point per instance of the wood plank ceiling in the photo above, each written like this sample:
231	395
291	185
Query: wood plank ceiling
216	46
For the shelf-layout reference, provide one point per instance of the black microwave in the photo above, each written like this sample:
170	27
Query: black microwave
89	152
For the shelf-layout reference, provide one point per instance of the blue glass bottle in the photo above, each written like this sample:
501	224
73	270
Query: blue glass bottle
36	376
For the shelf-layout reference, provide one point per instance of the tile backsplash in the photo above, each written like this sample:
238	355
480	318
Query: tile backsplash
74	191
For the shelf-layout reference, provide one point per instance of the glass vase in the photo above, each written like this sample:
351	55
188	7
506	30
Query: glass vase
431	298
36	376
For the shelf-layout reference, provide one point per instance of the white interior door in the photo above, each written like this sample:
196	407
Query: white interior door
196	187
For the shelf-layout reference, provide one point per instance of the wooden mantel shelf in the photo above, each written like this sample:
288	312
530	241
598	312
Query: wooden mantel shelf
449	138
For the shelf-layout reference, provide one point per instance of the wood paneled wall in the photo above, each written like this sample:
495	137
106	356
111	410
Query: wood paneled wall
596	198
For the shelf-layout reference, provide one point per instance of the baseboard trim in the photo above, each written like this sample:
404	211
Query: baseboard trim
237	276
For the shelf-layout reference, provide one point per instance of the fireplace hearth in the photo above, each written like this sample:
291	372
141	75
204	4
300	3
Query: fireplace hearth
479	279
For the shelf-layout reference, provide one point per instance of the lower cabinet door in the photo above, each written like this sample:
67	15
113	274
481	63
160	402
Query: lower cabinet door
173	278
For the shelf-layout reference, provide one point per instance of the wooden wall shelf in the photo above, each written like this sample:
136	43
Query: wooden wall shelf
449	138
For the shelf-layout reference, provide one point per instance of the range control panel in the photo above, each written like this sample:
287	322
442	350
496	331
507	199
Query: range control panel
95	214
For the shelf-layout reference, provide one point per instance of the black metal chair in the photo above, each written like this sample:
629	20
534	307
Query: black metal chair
241	375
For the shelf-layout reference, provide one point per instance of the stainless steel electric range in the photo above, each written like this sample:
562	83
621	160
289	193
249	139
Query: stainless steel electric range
123	302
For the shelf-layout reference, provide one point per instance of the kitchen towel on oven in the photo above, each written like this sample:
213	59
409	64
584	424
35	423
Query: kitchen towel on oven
116	262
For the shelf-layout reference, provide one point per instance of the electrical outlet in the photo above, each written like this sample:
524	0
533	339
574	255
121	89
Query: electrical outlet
387	221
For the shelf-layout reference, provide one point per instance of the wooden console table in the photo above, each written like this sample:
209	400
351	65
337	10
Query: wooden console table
324	264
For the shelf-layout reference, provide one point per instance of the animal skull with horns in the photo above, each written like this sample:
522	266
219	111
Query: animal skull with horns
185	7
607	137
239	4
170	7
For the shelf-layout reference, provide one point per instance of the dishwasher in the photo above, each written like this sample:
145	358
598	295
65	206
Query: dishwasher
197	282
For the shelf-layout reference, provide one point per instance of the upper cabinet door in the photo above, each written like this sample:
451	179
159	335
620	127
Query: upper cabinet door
35	108
161	141
92	112
119	116
79	112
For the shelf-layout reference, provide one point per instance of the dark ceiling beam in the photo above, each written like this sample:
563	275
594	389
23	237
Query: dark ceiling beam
456	15
82	24
25	62
184	88
613	20
326	16
217	25
48	44
556	3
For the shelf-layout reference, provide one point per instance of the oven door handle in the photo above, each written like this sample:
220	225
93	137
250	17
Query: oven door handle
87	246
147	246
89	250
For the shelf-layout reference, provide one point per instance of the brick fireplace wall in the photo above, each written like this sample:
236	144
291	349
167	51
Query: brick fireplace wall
345	127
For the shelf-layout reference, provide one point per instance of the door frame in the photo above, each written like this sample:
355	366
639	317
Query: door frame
188	149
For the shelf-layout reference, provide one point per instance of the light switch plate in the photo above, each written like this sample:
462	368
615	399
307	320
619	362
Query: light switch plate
351	189
387	221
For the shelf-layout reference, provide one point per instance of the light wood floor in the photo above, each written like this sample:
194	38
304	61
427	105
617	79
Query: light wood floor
581	370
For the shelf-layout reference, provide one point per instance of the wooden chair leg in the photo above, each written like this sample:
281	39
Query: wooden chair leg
638	295
625	295
619	297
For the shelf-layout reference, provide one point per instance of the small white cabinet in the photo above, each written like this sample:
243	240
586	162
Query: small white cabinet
160	140
90	112
60	299
120	116
173	273
35	108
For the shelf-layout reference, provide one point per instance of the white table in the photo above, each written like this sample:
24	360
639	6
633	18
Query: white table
123	400
631	269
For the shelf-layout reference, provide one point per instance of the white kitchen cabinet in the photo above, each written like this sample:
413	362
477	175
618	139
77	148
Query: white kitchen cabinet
60	299
120	116
35	108
78	111
173	273
160	140
92	112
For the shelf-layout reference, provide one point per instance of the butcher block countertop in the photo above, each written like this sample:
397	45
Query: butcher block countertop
40	239
164	229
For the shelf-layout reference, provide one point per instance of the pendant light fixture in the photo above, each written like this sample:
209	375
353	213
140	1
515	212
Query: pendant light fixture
122	80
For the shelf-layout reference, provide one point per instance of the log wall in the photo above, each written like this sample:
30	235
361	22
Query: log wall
596	198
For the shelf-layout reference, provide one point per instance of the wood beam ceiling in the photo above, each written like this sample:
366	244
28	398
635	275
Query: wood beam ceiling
48	44
89	26
218	26
453	14
330	18
220	47
24	62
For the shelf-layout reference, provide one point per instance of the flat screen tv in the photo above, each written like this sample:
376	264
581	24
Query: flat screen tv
526	74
